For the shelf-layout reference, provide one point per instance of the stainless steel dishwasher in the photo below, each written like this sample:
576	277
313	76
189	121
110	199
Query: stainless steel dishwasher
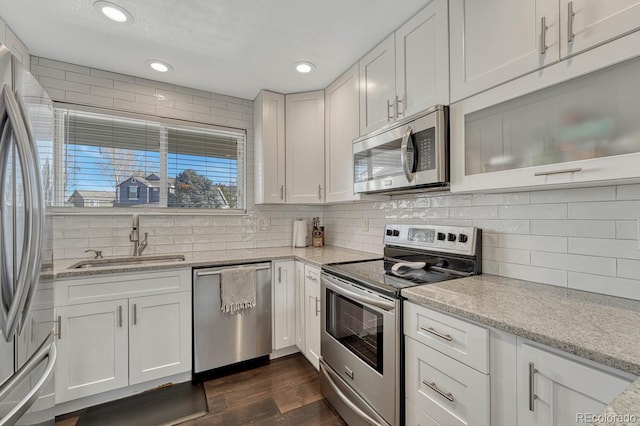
221	339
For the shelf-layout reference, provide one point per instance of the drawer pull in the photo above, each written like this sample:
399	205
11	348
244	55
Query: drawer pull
435	388
431	330
558	172
532	390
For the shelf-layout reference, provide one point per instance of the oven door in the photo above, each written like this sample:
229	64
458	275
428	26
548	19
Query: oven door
360	344
403	156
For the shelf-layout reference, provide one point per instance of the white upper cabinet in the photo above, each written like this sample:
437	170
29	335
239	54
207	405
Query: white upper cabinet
377	86
305	148
269	155
494	41
341	128
590	23
408	71
422	60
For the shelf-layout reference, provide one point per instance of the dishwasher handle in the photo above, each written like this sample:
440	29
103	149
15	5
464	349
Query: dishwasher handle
217	271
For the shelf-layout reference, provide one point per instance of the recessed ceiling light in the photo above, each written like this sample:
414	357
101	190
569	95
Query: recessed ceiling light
113	11
304	67
159	65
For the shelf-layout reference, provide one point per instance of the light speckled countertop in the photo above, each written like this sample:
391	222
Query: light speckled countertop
314	255
601	328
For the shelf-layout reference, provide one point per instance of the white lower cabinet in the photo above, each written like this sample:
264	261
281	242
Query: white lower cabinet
92	349
300	304
159	336
136	328
284	305
554	390
313	306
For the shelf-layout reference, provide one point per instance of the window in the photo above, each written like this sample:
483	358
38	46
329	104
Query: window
128	161
134	192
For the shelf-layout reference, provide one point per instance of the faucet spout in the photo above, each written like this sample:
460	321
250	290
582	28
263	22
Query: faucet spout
134	236
143	244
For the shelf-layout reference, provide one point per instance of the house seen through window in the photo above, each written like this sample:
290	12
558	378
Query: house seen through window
107	160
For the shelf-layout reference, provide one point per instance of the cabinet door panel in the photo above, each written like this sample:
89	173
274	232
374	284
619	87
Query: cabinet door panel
312	315
422	60
377	86
92	349
300	307
160	336
562	388
596	22
269	148
495	41
305	148
284	300
342	127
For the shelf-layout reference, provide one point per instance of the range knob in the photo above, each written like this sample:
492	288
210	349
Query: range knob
441	236
389	232
451	237
396	232
463	238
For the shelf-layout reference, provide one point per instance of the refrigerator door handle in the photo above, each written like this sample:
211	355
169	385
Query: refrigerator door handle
38	216
47	350
29	256
6	273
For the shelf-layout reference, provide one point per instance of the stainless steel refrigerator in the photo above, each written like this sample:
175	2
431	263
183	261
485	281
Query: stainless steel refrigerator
27	344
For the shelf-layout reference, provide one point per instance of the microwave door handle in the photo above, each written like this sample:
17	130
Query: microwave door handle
408	170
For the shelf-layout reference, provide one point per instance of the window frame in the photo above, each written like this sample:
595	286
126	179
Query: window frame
59	167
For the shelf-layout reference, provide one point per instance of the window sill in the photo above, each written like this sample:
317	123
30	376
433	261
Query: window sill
149	211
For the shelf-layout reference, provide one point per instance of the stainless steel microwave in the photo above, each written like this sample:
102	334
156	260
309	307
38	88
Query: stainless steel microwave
406	155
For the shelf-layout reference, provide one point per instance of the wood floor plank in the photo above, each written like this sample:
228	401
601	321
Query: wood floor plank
284	392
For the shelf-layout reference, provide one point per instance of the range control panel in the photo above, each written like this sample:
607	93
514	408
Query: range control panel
451	239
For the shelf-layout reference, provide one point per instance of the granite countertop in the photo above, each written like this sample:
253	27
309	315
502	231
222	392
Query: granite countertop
317	256
601	328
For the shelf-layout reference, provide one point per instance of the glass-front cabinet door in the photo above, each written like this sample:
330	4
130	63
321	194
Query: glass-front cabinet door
579	131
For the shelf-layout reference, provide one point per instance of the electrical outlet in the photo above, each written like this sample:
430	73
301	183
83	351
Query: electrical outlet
365	224
264	224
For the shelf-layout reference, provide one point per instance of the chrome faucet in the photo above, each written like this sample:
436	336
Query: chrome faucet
97	253
134	236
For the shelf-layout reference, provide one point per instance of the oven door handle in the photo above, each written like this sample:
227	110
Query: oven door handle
365	300
325	370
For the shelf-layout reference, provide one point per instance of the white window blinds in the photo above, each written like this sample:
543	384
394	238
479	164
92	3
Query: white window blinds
116	161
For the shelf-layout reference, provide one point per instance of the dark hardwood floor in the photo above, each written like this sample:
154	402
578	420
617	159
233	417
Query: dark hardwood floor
284	392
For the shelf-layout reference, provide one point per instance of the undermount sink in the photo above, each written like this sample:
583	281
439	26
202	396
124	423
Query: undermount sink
127	261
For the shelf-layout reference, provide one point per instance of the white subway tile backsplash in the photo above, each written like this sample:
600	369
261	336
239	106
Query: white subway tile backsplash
112	93
529	211
63	66
476	212
64	85
555	277
123	105
624	249
507	255
575	228
605	210
600	193
620	287
573	262
500	199
89	79
534	242
629	269
83	98
627	229
503	226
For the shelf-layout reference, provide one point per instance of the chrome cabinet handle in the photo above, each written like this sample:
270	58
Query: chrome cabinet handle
59	324
135	314
532	395
399	101
120	316
570	16
279	274
282	192
408	172
543	35
317	309
319	192
434	387
312	278
433	331
32	335
389	109
557	172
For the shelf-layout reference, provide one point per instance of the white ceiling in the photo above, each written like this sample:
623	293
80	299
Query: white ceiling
233	47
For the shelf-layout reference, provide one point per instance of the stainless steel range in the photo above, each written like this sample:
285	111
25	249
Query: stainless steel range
361	346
